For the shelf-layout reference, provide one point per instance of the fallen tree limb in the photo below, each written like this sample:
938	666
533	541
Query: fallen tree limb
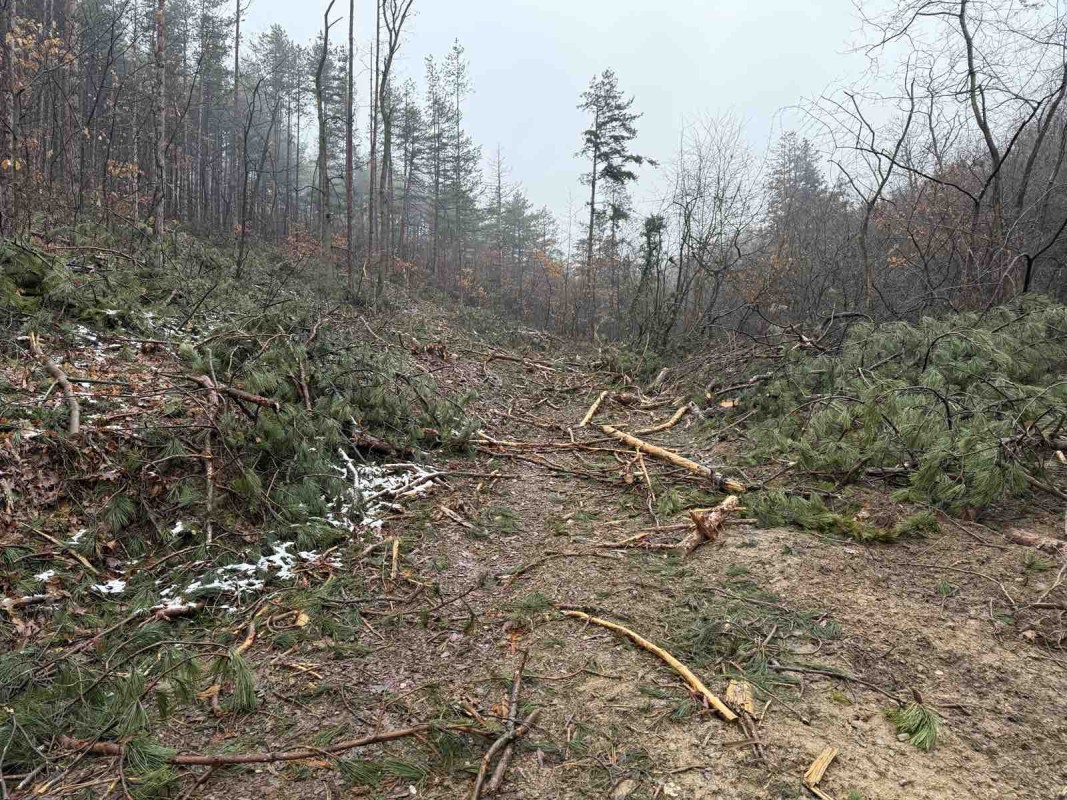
197	759
513	716
235	393
725	484
755	380
593	409
497	746
708	524
66	548
366	441
670	423
687	674
1051	546
60	377
834	673
208	456
1045	487
9	604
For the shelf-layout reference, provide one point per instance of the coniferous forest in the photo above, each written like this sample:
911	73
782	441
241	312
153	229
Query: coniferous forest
334	464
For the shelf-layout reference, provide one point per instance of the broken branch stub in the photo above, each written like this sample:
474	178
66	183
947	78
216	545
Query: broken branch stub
708	524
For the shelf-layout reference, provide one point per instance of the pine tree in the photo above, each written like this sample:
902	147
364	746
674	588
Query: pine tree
606	143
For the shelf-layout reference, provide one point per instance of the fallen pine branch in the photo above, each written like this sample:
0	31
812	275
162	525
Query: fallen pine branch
668	424
726	484
158	613
498	745
593	409
513	717
60	377
687	674
235	393
67	548
197	759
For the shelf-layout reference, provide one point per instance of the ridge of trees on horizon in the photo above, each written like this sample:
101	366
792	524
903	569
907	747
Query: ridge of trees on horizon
146	117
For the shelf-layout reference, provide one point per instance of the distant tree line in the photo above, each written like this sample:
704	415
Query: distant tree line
139	118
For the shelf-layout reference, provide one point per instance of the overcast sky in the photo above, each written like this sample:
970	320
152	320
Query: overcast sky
530	60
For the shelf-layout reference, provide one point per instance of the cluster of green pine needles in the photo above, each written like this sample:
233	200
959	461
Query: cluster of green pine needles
955	412
918	722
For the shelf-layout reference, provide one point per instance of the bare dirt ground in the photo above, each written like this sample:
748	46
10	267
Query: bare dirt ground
944	618
963	620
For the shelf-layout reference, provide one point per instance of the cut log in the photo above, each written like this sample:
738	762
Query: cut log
592	409
687	674
726	484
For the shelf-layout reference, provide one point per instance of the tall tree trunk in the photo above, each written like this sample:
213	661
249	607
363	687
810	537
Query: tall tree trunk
320	105
371	222
7	120
236	159
589	240
349	121
159	204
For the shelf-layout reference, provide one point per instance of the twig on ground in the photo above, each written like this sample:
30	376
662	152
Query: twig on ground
708	524
817	770
668	424
549	557
497	746
513	714
687	674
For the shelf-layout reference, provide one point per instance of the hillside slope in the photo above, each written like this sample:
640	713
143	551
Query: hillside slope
284	527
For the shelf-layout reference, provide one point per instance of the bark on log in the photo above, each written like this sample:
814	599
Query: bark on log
726	484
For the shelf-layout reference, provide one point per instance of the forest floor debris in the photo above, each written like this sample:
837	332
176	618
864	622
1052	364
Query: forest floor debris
398	596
